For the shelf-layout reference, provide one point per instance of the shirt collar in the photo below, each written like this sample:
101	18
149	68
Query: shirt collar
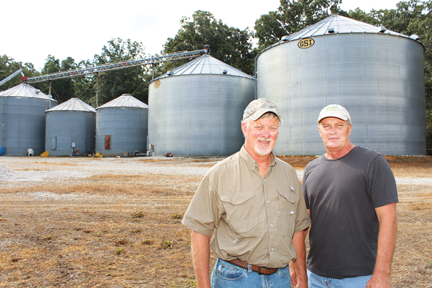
251	162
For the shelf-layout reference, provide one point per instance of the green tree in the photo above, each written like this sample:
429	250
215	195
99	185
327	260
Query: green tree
228	44
85	85
61	89
291	17
410	17
8	66
114	83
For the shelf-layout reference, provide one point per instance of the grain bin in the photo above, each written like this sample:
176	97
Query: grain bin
22	114
121	126
375	73
196	108
70	129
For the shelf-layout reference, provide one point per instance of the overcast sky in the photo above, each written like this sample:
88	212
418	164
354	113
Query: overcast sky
33	29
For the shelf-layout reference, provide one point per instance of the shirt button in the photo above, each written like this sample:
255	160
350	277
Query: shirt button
268	202
271	249
265	180
271	225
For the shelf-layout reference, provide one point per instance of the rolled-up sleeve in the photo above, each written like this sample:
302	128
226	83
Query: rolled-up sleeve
302	218
202	215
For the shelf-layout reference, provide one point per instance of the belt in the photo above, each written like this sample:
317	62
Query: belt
260	270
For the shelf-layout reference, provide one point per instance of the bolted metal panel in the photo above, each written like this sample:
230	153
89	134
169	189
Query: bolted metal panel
67	127
192	115
22	116
126	126
378	77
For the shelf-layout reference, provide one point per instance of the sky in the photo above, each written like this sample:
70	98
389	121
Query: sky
31	30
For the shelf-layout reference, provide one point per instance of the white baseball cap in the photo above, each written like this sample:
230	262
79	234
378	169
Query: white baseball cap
334	110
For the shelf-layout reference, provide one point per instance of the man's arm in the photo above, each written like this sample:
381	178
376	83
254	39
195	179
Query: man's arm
201	258
386	243
299	264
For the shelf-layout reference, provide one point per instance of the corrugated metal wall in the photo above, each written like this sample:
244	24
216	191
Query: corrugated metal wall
198	114
127	128
378	78
23	125
66	127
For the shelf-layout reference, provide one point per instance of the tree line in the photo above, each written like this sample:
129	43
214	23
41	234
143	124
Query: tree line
229	44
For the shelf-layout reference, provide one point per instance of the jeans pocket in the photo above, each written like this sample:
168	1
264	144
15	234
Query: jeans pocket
284	272
229	272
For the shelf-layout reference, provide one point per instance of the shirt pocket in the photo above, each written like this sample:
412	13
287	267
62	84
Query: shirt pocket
241	215
287	212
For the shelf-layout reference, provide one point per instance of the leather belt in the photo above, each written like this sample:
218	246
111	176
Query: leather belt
260	270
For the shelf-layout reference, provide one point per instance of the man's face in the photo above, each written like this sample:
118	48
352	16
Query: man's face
335	133
261	135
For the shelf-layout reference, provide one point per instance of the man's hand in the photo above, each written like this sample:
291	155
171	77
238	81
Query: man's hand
201	258
298	266
379	281
293	274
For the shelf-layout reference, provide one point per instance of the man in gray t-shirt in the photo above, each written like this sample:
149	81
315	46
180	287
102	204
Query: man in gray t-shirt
350	193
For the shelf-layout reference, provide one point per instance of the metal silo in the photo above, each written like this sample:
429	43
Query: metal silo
121	126
375	73
22	113
70	129
196	108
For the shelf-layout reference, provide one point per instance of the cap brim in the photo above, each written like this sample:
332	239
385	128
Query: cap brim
336	115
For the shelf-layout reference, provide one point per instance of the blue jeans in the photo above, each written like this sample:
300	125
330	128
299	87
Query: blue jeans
316	281
227	275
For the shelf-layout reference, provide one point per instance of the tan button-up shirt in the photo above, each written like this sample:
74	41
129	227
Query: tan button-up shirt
254	217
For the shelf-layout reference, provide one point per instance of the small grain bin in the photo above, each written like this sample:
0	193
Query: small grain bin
196	108
377	74
22	114
121	126
70	129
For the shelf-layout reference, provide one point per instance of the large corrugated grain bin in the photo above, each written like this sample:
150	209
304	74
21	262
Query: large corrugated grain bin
121	126
70	129
22	114
375	73
196	109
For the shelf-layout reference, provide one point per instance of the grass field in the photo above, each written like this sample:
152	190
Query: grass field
88	222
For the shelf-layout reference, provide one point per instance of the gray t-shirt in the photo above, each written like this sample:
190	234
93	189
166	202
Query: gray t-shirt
342	195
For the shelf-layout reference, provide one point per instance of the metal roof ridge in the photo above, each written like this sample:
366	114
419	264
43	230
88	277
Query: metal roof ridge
125	100
73	104
198	66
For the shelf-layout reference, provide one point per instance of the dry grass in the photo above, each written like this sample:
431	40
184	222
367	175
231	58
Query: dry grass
125	231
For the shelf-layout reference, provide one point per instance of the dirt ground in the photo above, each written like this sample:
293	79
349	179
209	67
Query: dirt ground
115	222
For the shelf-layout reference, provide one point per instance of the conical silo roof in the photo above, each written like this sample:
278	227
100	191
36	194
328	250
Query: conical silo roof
335	24
124	101
73	104
205	65
25	90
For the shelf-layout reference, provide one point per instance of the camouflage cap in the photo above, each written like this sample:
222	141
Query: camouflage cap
334	110
259	107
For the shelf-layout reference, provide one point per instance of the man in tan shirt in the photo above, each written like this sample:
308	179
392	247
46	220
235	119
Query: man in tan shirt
253	203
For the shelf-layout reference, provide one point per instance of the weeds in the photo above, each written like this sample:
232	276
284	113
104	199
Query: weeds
167	244
120	251
177	216
49	237
138	214
138	230
147	242
121	241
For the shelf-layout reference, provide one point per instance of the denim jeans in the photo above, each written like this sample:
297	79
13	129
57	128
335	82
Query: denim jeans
316	281
227	275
